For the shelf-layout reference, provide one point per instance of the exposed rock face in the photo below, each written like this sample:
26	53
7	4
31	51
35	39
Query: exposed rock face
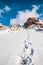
31	21
1	27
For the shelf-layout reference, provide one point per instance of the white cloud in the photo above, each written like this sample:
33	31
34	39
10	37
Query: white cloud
1	11
22	16
7	8
0	24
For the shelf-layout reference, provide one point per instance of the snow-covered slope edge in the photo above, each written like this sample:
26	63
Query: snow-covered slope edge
36	38
12	44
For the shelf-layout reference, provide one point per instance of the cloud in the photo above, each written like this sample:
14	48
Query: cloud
0	24
22	16
1	11
7	8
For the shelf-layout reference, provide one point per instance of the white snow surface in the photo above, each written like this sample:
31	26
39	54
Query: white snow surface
36	38
12	43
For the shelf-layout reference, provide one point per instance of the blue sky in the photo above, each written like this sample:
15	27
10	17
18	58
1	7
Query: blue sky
13	9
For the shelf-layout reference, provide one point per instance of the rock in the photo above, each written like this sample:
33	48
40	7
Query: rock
31	21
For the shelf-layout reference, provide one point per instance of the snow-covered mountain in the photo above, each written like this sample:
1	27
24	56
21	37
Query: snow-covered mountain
18	45
22	45
30	21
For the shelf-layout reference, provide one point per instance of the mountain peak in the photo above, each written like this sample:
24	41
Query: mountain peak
33	20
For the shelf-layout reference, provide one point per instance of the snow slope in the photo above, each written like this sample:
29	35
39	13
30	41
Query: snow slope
36	38
12	43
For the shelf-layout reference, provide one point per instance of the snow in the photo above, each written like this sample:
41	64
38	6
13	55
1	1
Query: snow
36	38
12	44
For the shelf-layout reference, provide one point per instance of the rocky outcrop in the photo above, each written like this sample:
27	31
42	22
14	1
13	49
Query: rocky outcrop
1	27
31	21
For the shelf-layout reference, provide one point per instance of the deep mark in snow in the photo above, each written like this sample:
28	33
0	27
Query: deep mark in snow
32	51
26	58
